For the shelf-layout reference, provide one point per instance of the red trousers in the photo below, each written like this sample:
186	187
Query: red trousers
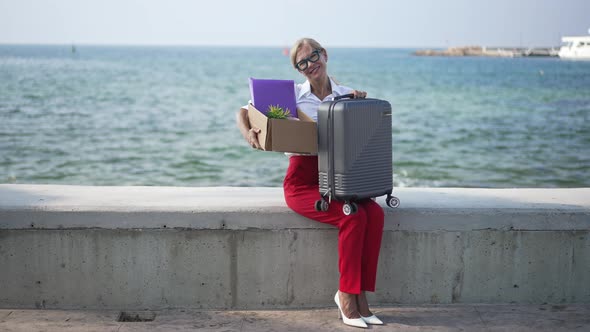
359	236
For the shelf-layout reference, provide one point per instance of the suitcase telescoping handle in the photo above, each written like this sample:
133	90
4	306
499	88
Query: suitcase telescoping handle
349	95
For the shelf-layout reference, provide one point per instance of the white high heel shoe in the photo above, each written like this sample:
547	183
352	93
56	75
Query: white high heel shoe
356	322
372	320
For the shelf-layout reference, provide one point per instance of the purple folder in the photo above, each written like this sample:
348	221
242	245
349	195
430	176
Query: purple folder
265	92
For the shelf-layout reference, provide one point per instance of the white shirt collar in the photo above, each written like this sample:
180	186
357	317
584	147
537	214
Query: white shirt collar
306	89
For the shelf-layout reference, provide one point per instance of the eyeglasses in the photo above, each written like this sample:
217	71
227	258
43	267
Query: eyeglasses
313	58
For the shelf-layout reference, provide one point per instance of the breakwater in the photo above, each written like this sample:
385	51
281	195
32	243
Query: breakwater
506	52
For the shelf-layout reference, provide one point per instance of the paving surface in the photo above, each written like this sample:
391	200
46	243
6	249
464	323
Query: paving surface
574	317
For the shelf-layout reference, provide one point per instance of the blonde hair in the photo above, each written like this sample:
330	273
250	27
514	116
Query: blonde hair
298	44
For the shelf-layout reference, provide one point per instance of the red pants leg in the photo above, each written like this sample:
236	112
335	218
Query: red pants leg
372	244
359	236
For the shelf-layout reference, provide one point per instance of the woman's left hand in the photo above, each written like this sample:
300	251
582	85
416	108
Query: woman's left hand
359	94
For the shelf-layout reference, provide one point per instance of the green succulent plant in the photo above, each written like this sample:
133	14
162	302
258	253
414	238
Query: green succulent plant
277	112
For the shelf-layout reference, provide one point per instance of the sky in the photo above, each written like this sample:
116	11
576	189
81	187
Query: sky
346	23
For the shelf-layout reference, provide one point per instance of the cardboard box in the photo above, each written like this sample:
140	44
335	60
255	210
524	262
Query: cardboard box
284	135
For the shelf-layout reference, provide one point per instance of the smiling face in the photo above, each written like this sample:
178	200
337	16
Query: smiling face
315	70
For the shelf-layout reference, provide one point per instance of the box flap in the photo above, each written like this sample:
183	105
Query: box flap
259	120
304	117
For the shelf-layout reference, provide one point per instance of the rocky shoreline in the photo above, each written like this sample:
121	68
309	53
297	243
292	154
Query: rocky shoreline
489	52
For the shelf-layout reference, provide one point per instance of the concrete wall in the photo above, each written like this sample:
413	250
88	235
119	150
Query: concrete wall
161	247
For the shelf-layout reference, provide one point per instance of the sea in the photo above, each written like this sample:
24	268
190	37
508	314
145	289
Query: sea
165	116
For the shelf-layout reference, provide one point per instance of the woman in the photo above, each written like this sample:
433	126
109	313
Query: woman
359	236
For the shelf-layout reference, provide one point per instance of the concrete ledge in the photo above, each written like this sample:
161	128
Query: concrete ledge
163	247
449	209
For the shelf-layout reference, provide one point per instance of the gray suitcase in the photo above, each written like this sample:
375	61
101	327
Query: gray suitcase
354	152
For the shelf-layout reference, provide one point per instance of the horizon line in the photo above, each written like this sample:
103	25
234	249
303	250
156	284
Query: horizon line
3	43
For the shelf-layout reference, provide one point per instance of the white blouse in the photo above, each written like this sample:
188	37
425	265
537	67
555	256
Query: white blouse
309	103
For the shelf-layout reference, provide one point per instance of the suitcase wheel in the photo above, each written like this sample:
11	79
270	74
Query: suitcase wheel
392	201
349	208
321	205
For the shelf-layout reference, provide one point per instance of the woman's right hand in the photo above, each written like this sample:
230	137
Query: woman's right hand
253	138
249	134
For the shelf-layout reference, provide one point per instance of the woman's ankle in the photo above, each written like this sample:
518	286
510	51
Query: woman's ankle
363	305
349	304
